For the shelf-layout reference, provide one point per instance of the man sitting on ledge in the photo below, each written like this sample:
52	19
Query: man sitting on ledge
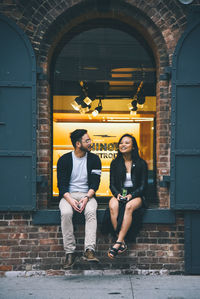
78	179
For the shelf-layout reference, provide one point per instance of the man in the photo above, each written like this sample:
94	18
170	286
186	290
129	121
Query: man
78	179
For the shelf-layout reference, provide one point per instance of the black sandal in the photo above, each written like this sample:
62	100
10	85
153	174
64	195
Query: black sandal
122	248
112	253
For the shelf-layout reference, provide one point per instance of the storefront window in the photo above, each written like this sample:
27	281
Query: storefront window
112	71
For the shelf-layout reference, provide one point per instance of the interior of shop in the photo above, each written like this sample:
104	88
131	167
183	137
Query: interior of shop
104	81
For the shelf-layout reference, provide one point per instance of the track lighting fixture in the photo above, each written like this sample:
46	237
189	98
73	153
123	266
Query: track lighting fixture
84	108
133	104
133	111
141	101
87	101
138	100
82	103
76	104
97	109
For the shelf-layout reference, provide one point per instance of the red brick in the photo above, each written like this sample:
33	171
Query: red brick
3	236
18	222
4	248
56	248
5	268
48	241
18	236
4	254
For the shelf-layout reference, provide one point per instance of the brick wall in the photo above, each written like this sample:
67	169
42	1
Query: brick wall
160	22
26	247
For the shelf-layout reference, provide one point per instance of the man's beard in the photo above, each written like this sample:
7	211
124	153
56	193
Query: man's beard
85	149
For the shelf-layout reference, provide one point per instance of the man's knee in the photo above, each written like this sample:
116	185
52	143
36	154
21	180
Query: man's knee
67	213
91	208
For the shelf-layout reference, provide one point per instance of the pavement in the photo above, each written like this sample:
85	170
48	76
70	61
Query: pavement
100	286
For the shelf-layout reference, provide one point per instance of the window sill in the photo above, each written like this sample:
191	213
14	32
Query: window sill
52	217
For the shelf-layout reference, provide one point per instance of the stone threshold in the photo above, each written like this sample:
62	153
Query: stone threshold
37	273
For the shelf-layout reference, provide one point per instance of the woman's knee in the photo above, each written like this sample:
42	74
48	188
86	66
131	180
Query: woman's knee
133	205
113	204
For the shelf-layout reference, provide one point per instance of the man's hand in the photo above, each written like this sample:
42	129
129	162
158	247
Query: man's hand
73	202
75	205
82	203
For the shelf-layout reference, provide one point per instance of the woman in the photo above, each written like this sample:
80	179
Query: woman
128	183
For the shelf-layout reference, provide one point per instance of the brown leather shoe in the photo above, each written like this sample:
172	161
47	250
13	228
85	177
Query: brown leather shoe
89	256
69	260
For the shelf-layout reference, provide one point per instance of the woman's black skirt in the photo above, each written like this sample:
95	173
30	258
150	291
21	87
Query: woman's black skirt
134	229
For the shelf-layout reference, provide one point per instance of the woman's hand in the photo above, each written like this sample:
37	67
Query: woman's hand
118	197
129	197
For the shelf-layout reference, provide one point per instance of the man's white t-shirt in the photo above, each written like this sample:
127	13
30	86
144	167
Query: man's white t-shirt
79	177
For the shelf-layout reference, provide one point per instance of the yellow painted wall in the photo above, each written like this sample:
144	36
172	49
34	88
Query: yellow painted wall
62	144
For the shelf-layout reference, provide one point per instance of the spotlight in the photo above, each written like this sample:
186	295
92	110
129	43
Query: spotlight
97	109
132	104
133	111
141	101
76	104
84	108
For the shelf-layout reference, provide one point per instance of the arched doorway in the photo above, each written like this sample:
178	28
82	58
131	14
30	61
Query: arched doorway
112	65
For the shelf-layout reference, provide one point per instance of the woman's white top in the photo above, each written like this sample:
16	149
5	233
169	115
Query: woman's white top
128	182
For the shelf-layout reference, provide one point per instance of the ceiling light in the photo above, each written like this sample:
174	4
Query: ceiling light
133	111
98	109
133	104
76	104
83	110
141	101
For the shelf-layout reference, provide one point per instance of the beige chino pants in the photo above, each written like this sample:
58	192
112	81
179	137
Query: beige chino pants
66	211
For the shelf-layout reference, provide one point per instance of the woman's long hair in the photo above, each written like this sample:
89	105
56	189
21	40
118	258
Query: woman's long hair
135	154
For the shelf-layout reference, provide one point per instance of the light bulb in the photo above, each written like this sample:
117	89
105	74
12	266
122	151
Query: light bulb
133	112
95	113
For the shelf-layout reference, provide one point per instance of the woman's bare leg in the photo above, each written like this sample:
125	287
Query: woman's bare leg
114	210
131	206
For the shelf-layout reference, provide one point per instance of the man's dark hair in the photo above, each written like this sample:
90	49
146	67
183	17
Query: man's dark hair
77	136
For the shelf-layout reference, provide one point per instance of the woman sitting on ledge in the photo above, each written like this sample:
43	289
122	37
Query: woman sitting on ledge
128	184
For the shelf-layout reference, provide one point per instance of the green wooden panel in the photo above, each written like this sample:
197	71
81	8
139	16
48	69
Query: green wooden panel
16	183
188	57
187	182
16	113
185	141
15	60
187	117
17	119
192	243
